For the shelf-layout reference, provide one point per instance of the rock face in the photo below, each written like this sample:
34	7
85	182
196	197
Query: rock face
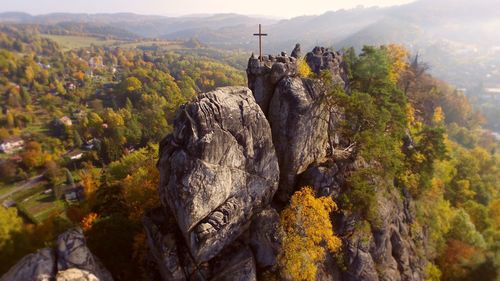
264	237
233	148
263	76
171	259
72	260
325	59
296	53
300	124
311	152
217	169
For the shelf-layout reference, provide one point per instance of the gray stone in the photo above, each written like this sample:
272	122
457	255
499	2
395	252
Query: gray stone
217	169
71	260
74	274
301	125
265	238
236	265
262	78
39	266
322	179
163	246
296	53
72	252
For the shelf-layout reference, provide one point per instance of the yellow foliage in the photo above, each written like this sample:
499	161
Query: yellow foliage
410	115
398	56
89	220
90	180
140	189
307	235
303	68
432	272
494	210
438	116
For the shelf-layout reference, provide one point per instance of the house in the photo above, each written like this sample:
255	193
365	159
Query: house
70	86
44	66
95	62
66	121
70	192
9	203
91	144
75	154
11	145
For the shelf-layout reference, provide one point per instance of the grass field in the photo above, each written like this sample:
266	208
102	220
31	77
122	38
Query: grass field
41	206
6	188
68	42
37	205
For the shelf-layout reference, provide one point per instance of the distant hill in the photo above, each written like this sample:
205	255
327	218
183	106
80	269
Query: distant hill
459	38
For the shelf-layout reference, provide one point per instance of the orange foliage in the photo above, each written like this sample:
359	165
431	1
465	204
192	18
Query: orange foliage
456	259
88	221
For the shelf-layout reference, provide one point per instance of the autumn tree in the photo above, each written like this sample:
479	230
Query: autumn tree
32	155
307	235
398	61
10	223
303	68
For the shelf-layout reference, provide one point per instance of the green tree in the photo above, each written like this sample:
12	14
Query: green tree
10	223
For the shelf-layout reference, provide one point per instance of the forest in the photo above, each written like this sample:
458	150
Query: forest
91	118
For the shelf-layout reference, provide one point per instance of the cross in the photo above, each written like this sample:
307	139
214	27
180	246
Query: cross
260	34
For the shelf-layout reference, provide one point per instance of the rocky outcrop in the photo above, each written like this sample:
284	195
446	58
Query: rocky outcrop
312	152
217	169
263	76
303	129
171	258
296	52
233	148
71	260
320	59
265	237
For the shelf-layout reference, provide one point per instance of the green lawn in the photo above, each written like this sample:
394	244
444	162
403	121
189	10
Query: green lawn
6	188
40	206
164	45
68	42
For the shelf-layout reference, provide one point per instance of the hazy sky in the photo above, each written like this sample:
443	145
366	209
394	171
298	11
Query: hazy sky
281	8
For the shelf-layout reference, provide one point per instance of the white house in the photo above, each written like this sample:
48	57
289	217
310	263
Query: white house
66	121
11	145
75	154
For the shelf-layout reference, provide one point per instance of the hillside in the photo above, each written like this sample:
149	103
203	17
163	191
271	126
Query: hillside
458	39
139	160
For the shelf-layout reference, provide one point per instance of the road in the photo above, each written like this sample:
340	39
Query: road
31	182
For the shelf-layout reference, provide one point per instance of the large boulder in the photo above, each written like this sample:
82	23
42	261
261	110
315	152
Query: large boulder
263	76
172	261
37	267
72	252
217	169
71	260
303	129
265	238
320	59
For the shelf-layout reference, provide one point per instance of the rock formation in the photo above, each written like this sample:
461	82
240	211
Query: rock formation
219	171
70	260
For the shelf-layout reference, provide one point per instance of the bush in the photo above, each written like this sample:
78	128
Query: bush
303	68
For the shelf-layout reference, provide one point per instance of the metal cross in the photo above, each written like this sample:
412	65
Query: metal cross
260	34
